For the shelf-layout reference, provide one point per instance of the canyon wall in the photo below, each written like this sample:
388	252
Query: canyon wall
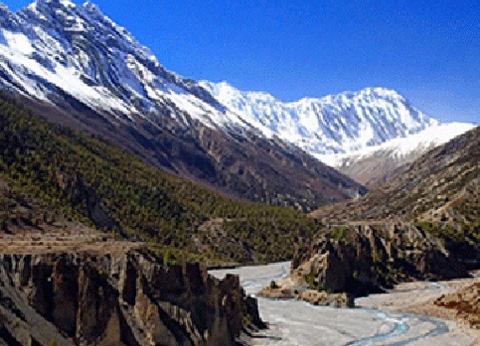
117	299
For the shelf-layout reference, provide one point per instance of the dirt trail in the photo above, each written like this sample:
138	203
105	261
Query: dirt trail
74	239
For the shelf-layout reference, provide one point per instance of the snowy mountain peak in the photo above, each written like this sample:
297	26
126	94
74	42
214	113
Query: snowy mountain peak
340	123
47	6
53	45
53	49
91	7
7	18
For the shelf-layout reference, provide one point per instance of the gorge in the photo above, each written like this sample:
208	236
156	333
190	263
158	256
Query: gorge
121	182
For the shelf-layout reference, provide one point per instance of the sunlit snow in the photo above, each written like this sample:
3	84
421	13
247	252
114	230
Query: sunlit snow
401	147
19	41
124	77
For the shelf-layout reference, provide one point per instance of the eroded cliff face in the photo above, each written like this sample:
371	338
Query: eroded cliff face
116	299
363	258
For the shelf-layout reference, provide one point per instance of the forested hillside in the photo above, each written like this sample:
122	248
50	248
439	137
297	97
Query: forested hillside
51	173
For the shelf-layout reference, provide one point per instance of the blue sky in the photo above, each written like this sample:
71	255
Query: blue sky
428	50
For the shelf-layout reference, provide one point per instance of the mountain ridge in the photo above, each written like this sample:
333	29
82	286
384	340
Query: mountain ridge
137	83
89	73
51	175
439	192
332	124
79	68
375	165
421	224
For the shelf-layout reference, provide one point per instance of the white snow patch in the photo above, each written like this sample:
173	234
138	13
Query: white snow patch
401	147
18	43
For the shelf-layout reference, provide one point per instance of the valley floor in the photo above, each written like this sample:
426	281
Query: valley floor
418	297
395	319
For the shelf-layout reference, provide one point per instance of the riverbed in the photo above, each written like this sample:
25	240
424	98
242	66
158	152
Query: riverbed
295	323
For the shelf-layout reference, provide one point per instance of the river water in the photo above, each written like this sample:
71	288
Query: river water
295	323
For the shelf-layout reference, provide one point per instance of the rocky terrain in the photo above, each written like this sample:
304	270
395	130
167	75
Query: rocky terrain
423	224
439	192
464	304
62	282
84	288
362	258
405	315
453	300
420	189
375	165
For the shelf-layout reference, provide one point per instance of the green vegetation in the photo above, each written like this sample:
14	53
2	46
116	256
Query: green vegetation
74	176
310	278
460	222
339	234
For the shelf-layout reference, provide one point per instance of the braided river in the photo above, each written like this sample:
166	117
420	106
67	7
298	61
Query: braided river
296	323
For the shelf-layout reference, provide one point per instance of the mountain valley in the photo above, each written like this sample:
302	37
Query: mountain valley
246	144
121	182
421	224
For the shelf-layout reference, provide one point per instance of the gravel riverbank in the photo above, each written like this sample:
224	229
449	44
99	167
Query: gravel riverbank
388	319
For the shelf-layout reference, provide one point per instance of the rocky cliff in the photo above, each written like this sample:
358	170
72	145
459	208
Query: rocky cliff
439	192
127	298
361	258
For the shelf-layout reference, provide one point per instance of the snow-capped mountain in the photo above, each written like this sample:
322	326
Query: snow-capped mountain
374	165
54	44
79	68
341	123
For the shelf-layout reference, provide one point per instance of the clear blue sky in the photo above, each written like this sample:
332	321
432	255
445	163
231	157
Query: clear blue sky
428	50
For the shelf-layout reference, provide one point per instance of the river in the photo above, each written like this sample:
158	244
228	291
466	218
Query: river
295	323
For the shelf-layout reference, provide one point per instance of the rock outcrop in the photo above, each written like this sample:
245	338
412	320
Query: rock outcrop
364	257
288	289
439	191
117	299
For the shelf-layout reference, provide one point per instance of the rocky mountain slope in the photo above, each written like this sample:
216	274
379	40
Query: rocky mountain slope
116	296
367	135
366	257
53	44
50	173
443	181
77	67
65	283
436	198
